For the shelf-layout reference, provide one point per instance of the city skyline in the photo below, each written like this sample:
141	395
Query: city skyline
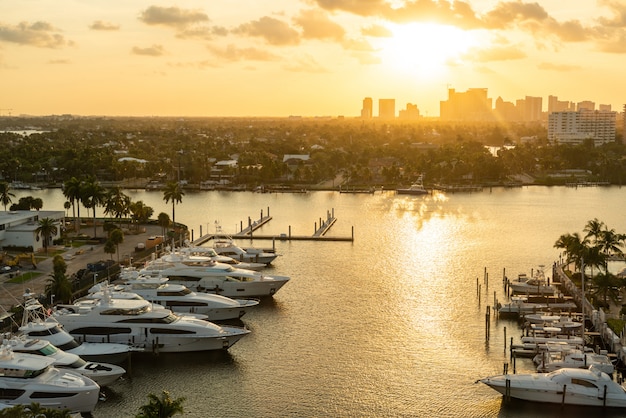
306	58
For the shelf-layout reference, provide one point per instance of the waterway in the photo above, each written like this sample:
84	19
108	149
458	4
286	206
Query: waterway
389	325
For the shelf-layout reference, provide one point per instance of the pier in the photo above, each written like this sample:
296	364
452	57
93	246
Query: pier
319	232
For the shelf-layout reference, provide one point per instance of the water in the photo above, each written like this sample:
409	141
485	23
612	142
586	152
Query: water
390	325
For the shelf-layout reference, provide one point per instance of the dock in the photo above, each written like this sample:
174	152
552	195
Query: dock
319	233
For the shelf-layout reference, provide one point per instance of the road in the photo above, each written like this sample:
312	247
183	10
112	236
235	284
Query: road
11	293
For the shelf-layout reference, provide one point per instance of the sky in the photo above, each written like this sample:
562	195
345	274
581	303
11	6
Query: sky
279	58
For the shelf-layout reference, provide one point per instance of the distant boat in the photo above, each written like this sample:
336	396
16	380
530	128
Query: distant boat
416	188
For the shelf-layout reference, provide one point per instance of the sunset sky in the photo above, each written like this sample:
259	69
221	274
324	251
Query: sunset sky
307	57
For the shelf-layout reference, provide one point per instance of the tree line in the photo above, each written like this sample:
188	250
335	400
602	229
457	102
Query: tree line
594	250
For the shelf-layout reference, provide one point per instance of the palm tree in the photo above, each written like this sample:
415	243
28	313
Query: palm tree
5	194
175	193
117	237
594	229
72	192
140	212
58	284
117	203
573	246
46	230
93	195
164	222
607	285
161	407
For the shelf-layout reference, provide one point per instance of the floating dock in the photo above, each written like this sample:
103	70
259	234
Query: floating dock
319	233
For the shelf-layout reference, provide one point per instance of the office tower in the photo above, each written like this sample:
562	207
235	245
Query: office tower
387	108
367	110
472	105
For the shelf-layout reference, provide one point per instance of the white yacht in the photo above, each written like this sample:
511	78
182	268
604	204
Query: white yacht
102	373
220	258
37	324
224	245
202	275
137	323
177	297
589	387
27	378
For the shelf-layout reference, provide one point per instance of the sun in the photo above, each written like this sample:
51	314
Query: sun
425	49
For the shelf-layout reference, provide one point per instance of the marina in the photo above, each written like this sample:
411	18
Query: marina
391	324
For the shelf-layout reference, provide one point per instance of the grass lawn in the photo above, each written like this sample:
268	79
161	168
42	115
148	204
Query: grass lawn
24	277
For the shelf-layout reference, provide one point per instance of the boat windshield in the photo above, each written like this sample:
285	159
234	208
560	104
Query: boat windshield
127	311
48	350
22	373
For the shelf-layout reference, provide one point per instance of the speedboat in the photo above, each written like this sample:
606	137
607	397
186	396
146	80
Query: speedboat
37	324
27	379
221	258
102	373
137	323
178	297
536	285
551	360
202	275
589	387
224	245
417	188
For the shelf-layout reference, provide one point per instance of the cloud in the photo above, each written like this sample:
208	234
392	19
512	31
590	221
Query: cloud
305	64
456	13
619	14
38	34
315	24
172	16
498	53
358	7
59	61
274	31
558	67
152	51
232	53
377	31
100	25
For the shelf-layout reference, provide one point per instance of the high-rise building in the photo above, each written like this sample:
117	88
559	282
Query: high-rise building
410	113
387	108
556	105
470	105
575	127
367	111
530	109
586	104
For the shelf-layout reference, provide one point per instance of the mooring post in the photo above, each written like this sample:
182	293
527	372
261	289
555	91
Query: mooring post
290	231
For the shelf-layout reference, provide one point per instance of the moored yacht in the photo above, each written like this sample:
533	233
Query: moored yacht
224	245
27	379
589	387
37	324
221	258
178	298
137	323
202	275
102	373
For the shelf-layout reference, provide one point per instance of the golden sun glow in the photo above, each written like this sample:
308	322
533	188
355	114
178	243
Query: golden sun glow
425	49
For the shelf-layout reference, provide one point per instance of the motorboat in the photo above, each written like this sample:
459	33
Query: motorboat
551	360
178	297
202	275
224	245
417	188
102	373
37	324
220	258
27	379
135	322
588	387
535	285
519	305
